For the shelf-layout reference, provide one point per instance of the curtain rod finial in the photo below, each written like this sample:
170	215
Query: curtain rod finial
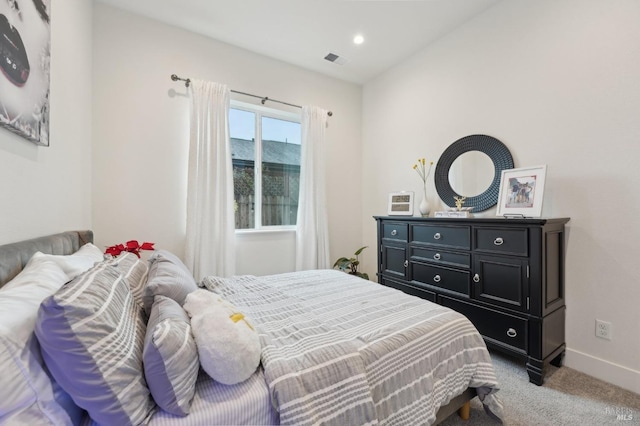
187	81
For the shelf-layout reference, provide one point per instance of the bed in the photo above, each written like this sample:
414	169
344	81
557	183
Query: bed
403	360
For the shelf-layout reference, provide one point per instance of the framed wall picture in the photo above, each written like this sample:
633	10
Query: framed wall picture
25	52
521	191
400	203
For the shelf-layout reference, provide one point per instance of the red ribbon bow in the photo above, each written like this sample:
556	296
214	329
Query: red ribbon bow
131	246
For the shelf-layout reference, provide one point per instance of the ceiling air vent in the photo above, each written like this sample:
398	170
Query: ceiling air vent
332	57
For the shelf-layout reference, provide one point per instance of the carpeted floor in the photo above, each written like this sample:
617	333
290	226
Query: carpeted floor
567	397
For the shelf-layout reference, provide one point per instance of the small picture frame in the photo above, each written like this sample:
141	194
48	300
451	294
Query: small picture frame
522	191
400	203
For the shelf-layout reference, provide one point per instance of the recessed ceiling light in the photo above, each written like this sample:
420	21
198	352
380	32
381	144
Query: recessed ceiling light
358	39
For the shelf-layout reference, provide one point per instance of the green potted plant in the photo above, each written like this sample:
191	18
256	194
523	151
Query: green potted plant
350	265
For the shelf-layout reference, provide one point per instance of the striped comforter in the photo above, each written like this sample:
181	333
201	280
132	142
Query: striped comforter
341	350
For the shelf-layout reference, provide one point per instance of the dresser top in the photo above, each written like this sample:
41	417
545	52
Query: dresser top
478	220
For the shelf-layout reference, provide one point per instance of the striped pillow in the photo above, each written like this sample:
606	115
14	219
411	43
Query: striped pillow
168	276
91	334
170	357
135	271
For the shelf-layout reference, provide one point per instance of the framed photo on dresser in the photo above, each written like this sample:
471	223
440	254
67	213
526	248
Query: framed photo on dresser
522	191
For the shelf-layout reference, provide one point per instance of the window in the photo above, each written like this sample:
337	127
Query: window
265	152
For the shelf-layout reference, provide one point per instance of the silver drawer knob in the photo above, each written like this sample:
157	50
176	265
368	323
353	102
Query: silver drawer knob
406	263
498	241
436	256
511	332
476	278
394	232
436	279
437	236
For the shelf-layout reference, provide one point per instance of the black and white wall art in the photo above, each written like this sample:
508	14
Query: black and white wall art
25	53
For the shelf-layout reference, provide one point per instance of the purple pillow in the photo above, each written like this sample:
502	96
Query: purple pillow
169	277
170	357
91	334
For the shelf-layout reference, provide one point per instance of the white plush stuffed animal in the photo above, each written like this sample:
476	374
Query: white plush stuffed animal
228	345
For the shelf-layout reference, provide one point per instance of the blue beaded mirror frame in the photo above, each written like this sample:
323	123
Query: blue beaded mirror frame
492	147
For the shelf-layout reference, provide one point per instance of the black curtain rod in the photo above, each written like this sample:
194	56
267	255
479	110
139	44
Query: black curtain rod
187	82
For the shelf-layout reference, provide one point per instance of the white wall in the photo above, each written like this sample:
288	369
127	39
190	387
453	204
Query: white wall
46	190
557	82
141	134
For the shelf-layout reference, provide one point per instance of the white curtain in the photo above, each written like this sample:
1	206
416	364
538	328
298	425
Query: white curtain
210	247
312	236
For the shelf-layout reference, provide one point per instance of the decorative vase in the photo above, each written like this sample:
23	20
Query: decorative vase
424	205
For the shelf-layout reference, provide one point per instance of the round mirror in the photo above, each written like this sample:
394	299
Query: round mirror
471	167
471	173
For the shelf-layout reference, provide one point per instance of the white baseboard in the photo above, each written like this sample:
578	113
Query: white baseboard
608	371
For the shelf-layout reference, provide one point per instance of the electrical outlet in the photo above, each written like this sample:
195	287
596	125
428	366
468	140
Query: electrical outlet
603	329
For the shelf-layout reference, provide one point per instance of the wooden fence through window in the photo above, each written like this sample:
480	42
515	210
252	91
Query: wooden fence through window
277	210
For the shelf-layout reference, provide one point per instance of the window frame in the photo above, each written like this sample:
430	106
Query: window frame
262	111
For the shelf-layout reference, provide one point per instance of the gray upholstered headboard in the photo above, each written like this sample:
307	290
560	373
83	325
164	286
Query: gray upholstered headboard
14	256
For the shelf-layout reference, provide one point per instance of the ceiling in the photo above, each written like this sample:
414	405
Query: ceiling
303	32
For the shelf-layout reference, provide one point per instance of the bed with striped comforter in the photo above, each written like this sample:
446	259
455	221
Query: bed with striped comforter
341	350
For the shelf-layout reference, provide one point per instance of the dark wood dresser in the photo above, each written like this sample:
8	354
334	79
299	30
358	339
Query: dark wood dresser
505	275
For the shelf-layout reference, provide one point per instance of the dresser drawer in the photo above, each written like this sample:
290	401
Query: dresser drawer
442	236
441	257
503	328
502	240
444	278
395	231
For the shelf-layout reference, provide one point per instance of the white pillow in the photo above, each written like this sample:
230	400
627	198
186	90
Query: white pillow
20	298
228	346
78	262
31	396
72	265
